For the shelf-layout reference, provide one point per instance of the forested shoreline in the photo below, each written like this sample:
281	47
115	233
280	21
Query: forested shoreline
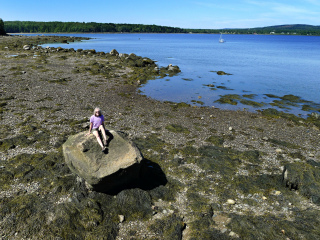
93	27
90	27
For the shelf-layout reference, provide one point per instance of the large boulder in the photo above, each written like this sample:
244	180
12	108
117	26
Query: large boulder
303	177
115	168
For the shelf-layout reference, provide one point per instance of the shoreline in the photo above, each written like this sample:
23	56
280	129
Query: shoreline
291	104
165	33
209	156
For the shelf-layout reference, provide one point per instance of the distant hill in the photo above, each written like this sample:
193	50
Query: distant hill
292	29
93	27
301	29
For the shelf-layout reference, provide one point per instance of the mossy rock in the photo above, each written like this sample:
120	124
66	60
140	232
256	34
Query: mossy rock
304	178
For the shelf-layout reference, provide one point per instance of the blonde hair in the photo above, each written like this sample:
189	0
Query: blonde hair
97	110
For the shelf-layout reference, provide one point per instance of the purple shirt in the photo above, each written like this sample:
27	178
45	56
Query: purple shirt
96	121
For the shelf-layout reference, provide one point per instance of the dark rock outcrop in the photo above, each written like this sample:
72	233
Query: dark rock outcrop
305	178
107	171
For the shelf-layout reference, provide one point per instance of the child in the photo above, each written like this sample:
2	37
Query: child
96	124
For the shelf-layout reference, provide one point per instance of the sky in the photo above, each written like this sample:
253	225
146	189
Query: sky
203	14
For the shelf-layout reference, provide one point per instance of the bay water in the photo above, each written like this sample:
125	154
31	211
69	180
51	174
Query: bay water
256	65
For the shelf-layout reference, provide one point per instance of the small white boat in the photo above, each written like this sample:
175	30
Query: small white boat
221	40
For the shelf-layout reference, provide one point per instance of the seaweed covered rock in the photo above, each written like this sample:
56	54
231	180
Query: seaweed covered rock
304	177
106	171
114	52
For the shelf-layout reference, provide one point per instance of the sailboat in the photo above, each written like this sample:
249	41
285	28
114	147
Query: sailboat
221	40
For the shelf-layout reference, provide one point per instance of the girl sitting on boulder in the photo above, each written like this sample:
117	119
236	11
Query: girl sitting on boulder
96	124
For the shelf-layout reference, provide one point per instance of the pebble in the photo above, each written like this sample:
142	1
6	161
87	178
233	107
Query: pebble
278	150
311	155
230	128
232	234
224	230
121	218
231	201
265	138
277	193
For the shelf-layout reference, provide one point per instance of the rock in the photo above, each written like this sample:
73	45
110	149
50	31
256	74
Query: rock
233	234
265	138
121	218
315	115
173	68
303	177
106	171
278	150
114	52
92	51
230	128
231	202
277	193
26	47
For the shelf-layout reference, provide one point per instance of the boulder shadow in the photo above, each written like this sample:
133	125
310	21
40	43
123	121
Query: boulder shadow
150	176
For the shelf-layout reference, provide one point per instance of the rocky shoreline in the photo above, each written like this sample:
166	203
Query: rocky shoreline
228	174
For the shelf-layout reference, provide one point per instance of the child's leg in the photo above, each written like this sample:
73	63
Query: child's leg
98	138
103	131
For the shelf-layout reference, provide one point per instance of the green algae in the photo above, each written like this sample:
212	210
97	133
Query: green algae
251	103
197	102
177	128
283	143
229	99
169	227
273	227
134	204
250	96
10	143
273	113
215	140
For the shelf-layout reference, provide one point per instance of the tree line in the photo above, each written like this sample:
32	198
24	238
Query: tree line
93	27
82	27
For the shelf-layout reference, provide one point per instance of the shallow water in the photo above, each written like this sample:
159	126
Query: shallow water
258	64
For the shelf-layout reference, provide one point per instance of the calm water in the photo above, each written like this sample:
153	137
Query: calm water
259	64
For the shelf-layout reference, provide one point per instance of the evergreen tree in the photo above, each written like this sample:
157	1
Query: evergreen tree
2	31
